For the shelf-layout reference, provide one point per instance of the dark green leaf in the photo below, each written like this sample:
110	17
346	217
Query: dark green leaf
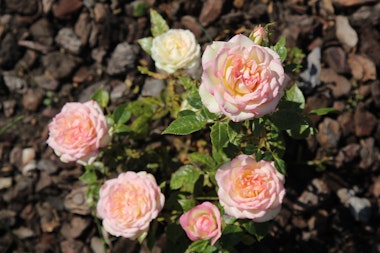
198	246
259	230
121	115
140	8
140	127
185	125
158	23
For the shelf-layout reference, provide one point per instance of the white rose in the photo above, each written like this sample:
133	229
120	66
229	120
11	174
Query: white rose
176	49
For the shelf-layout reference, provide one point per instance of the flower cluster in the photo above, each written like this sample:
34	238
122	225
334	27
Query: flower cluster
237	177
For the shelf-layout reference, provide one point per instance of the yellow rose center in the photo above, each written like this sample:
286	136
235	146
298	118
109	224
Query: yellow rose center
242	76
249	184
127	203
75	129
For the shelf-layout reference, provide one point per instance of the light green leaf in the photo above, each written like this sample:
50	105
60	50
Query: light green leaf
198	246
158	23
219	135
88	177
294	94
146	44
186	203
323	111
185	125
281	49
102	97
185	178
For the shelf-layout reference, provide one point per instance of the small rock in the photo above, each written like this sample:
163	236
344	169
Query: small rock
316	193
101	12
83	27
74	246
191	23
49	219
59	65
339	85
76	227
210	11
123	57
97	54
15	157
344	195
336	59
310	78
21	190
367	153
375	91
42	32
75	201
362	67
316	101
23	232
97	245
371	47
32	99
360	208
376	187
44	181
350	3
152	87
347	154
64	8
364	121
366	16
345	33
46	82
47	166
7	217
9	107
67	39
345	120
328	134
5	182
119	90
83	74
10	52
14	83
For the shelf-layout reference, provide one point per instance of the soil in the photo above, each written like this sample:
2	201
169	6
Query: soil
53	52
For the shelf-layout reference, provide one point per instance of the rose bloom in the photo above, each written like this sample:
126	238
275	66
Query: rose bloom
176	49
127	204
241	79
250	189
202	222
78	132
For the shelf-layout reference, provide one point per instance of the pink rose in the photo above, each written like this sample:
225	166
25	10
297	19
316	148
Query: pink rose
202	222
78	132
241	79
250	189
127	204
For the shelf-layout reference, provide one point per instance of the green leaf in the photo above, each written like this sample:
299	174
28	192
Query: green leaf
279	164
140	127
219	135
88	177
198	246
121	115
102	97
140	8
294	94
281	49
158	23
122	129
202	159
185	125
259	230
323	111
185	178
146	44
186	204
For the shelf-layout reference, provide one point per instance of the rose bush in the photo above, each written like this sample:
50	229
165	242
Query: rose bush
250	189
241	79
78	132
202	222
175	49
127	204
